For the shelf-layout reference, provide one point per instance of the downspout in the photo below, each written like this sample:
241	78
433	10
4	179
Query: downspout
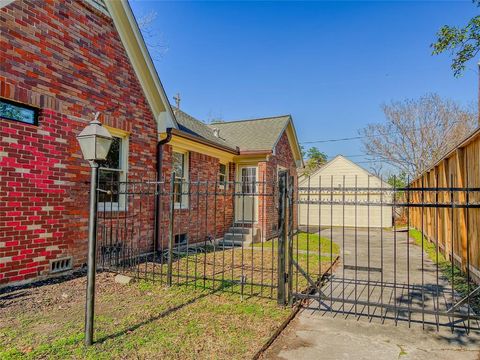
158	187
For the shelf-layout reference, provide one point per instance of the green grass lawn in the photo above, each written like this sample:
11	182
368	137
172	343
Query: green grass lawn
143	320
212	317
307	242
459	278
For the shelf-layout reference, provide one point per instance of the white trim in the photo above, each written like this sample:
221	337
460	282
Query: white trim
4	3
97	4
255	198
184	204
142	63
227	175
240	166
121	205
298	162
137	52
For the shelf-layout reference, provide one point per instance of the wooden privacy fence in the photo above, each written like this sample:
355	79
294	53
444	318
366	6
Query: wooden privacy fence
454	183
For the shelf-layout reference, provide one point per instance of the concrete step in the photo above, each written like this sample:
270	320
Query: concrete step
230	243
245	225
234	236
240	230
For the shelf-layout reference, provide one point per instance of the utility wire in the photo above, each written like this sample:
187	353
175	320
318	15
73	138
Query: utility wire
348	156
369	136
333	140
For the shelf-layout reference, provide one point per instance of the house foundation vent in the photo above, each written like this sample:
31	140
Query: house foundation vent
60	265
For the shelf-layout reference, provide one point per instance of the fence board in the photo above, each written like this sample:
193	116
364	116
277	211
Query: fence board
458	228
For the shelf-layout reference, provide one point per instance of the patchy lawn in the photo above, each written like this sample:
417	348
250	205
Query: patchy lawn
143	320
307	242
225	267
208	313
460	281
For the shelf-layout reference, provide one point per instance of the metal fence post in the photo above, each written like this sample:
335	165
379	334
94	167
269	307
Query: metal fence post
290	192
170	230
282	237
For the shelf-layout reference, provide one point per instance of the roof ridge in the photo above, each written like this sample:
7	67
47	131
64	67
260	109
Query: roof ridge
341	156
254	119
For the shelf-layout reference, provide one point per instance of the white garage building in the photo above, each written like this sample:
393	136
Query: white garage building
344	189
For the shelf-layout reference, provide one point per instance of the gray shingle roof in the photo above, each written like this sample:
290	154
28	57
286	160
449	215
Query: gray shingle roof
192	126
248	135
254	134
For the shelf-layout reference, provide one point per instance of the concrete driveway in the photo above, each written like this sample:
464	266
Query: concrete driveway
379	266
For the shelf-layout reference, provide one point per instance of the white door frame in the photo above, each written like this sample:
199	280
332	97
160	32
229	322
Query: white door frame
249	202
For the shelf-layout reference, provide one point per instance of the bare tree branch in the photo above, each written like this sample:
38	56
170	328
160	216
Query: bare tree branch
153	39
417	133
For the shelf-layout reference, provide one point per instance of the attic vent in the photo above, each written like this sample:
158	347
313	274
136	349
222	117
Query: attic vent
60	265
216	132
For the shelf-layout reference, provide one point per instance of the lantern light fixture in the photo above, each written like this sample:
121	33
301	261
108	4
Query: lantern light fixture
95	141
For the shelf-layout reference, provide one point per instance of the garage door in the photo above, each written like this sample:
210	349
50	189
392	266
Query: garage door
335	208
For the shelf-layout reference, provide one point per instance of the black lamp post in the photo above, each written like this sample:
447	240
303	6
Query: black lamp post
95	143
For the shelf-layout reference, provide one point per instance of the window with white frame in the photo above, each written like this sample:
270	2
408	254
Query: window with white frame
112	175
249	180
222	176
180	168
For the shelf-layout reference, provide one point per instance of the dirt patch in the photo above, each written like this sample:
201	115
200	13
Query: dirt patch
47	296
141	320
286	340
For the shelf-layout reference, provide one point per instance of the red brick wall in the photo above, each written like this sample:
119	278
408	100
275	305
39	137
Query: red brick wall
268	208
66	59
210	210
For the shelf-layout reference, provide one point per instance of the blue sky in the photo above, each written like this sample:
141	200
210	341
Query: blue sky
329	64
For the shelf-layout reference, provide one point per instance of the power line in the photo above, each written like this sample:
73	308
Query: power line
349	156
372	161
367	160
369	136
333	140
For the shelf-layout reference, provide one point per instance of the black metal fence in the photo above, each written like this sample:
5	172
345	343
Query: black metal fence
386	267
343	245
208	234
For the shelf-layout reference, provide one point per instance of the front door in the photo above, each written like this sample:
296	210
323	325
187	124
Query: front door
246	202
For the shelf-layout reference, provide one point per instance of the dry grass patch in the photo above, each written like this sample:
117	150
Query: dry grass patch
143	320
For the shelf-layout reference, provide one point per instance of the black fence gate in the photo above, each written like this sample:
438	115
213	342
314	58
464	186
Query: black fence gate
372	258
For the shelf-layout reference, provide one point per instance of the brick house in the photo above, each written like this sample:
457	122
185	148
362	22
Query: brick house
247	156
61	61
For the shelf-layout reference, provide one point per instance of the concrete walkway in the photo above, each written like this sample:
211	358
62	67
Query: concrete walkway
399	277
313	336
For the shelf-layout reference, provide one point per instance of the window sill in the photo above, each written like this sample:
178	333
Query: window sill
107	207
180	207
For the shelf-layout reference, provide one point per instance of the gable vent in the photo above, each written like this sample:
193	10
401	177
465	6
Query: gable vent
60	265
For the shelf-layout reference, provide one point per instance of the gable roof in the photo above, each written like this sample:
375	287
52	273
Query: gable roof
343	158
137	52
251	135
188	124
254	134
127	28
247	135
